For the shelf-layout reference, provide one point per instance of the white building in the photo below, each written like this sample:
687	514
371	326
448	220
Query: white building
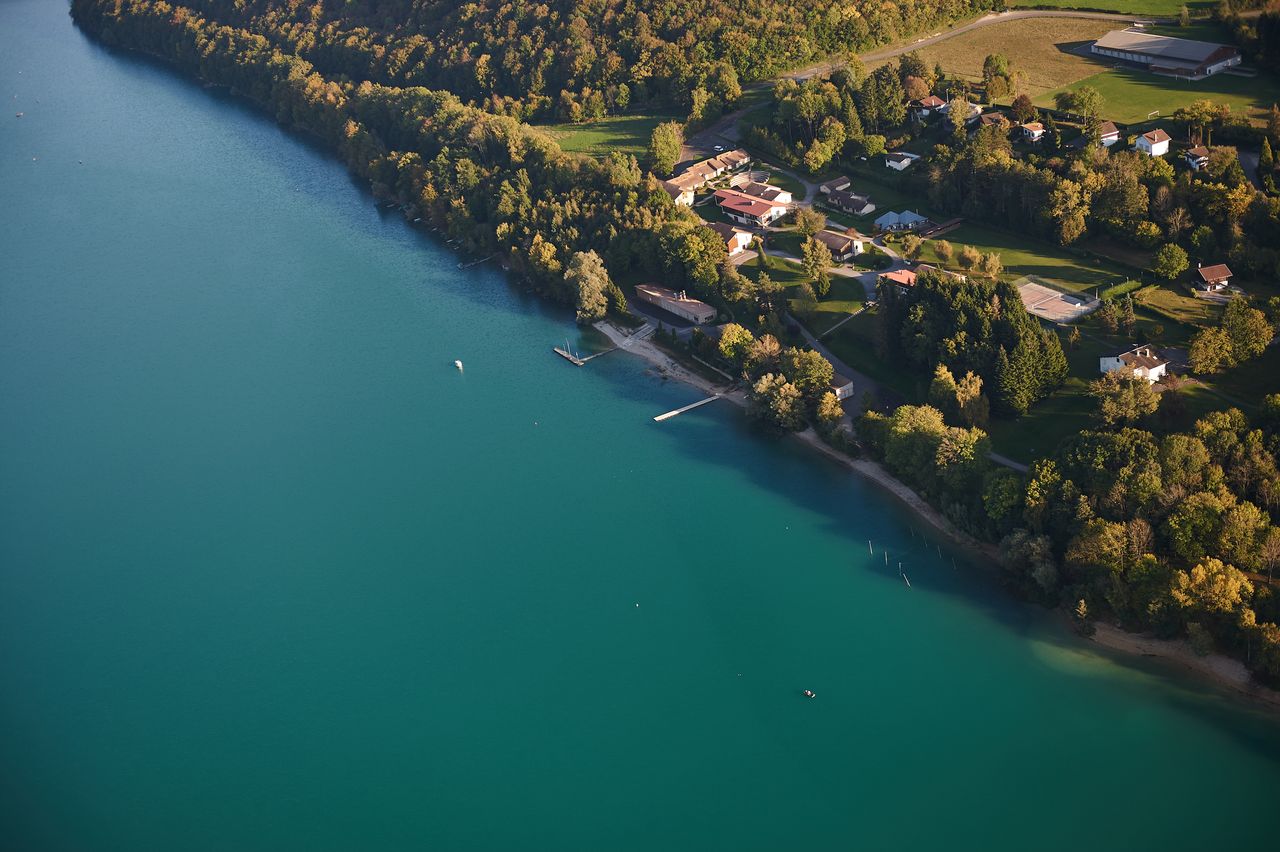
736	240
1153	143
1141	359
1174	57
908	220
900	160
1033	131
676	303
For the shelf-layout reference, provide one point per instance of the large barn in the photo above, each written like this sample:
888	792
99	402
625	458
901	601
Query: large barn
1176	57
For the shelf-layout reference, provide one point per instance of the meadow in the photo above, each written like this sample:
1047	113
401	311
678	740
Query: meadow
1154	8
1130	95
626	133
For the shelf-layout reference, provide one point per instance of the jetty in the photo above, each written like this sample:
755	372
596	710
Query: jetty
690	407
575	359
476	262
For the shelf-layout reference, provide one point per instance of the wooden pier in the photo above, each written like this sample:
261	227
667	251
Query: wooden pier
569	356
690	407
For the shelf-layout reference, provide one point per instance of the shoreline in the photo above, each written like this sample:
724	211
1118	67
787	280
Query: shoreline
1217	669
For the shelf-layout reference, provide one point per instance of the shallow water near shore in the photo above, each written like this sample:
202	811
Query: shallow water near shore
275	575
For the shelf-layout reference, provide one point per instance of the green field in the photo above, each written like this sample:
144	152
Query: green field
845	297
1154	8
1178	306
1131	95
1027	256
627	133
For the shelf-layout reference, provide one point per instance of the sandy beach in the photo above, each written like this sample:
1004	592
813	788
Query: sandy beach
1216	668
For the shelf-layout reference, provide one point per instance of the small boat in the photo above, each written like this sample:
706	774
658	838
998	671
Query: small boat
809	693
458	364
19	115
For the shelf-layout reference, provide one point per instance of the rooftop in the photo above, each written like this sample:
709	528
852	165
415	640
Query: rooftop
1155	136
1164	47
1217	272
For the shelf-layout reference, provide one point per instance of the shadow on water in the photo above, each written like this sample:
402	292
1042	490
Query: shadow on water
928	557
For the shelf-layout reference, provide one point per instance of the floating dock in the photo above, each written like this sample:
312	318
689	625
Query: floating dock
690	407
569	356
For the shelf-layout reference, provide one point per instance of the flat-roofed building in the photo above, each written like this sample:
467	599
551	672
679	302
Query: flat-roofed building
1176	57
677	303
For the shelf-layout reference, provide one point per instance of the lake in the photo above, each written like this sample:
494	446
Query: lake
275	575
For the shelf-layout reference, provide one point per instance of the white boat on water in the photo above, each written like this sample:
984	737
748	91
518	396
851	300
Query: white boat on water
458	364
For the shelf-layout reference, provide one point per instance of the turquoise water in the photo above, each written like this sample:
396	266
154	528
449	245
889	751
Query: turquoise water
274	575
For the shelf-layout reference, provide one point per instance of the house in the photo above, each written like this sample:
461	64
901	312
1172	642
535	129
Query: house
972	112
736	240
1108	133
841	386
1032	131
927	106
763	191
733	160
1153	143
838	184
679	194
903	279
1141	359
908	220
844	247
993	119
1213	278
858	205
748	210
1197	158
1173	57
676	303
900	160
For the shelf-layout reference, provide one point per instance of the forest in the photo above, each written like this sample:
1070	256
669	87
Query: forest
572	61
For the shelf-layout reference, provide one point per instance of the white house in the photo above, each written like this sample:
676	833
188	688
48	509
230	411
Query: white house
736	240
1197	158
900	160
1033	131
747	209
841	386
972	112
1108	133
837	184
844	247
1213	278
1141	359
928	105
763	191
1153	143
679	194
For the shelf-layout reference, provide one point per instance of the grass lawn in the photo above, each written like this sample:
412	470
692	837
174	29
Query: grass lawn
1028	256
1178	306
1155	8
1130	95
1251	381
782	180
626	133
1040	48
845	297
854	343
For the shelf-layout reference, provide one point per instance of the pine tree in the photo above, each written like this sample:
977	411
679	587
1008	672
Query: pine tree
1266	160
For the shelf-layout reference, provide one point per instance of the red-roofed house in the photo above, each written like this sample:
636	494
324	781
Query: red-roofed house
748	210
1153	143
1213	278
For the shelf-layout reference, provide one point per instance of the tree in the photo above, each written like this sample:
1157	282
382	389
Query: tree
943	250
1084	624
809	221
911	245
587	277
735	343
776	401
1248	329
808	371
1022	109
958	115
1109	316
817	263
969	257
829	411
1073	337
990	265
1184	16
665	144
1123	398
1211	587
1210	351
764	354
1169	262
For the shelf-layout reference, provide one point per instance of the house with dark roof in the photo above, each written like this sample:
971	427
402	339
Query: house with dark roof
1153	143
849	202
836	184
1197	158
900	160
1143	360
1213	278
1108	133
844	247
736	240
763	191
